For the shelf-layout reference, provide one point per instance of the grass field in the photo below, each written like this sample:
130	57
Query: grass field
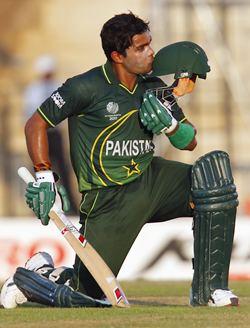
154	304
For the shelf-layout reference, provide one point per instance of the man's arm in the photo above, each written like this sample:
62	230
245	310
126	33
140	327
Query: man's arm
69	99
191	145
37	141
42	194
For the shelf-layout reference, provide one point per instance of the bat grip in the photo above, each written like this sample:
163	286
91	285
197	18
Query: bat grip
25	175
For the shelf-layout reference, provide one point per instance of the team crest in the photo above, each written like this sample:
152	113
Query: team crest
112	107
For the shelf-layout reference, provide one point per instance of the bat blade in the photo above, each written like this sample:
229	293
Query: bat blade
91	259
88	255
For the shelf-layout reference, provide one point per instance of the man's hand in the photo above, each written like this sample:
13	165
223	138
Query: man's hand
155	116
42	194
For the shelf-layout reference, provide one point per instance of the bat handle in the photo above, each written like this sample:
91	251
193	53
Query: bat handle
27	177
25	174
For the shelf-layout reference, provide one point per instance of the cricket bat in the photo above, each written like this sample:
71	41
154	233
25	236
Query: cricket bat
88	255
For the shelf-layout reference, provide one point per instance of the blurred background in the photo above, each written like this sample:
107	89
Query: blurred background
57	39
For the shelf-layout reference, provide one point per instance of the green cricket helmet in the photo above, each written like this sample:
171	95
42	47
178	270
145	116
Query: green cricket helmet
183	59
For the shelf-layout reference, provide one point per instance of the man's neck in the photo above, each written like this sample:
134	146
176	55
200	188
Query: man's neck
126	78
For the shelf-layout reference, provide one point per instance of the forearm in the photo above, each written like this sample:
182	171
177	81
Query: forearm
37	141
190	123
191	146
183	137
180	117
41	195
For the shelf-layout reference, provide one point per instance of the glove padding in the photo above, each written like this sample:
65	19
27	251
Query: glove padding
41	196
155	116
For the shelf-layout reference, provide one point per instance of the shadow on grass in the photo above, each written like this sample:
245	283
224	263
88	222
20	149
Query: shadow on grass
155	303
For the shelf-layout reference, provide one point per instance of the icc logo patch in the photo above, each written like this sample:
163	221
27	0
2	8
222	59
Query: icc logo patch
112	107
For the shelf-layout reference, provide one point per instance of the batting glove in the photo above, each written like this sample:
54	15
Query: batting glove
43	194
155	116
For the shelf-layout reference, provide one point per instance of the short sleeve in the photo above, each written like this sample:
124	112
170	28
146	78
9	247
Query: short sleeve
72	98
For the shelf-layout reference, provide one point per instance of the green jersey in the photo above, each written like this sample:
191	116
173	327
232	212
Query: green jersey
108	144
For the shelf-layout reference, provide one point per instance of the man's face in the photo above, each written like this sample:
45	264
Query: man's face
140	55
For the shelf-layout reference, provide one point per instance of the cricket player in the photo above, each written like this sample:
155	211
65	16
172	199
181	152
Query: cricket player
113	111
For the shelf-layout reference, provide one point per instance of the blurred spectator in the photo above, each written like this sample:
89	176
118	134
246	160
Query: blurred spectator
35	93
40	89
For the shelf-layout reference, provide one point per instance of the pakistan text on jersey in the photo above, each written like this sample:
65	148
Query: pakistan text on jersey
128	147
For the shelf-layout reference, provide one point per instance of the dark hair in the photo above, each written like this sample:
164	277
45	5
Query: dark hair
117	33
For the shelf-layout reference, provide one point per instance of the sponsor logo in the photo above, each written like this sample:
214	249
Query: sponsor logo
82	239
128	147
58	100
118	294
112	108
184	74
69	228
64	231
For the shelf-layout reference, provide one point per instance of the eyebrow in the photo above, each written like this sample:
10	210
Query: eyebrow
144	44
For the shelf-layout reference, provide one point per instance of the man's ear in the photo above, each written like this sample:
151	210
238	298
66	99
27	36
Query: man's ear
116	57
